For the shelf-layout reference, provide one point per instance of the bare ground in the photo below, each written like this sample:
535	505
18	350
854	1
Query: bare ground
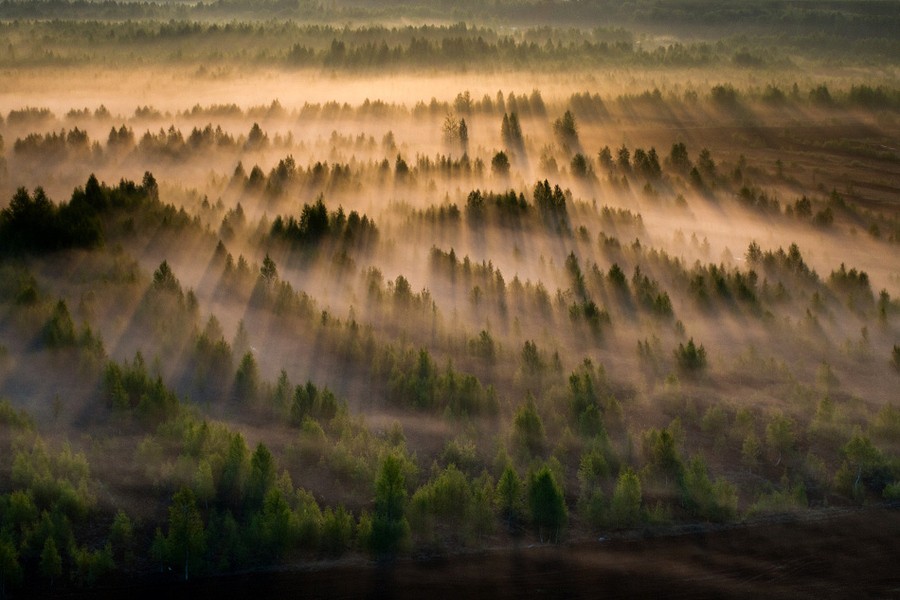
827	554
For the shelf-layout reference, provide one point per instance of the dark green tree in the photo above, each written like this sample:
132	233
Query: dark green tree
546	504
268	271
690	358
247	380
261	478
566	130
500	164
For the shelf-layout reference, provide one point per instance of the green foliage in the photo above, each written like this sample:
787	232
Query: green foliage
690	358
130	388
780	436
56	481
260	479
235	467
32	223
311	402
268	271
449	499
317	224
390	528
164	280
500	164
121	538
790	498
337	531
511	133
186	540
546	505
51	561
510	498
528	429
551	203
864	469
678	158
12	418
751	451
566	130
580	167
892	492
585	387
60	329
88	566
593	469
625	508
660	449
531	358
247	380
707	500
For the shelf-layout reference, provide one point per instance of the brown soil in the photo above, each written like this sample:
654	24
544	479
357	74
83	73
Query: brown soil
838	554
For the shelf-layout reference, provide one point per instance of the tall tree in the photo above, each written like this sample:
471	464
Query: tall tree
389	524
51	562
187	534
547	504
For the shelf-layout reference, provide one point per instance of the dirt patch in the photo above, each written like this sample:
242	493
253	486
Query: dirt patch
823	555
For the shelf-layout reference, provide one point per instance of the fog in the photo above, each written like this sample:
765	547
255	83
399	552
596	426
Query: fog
503	266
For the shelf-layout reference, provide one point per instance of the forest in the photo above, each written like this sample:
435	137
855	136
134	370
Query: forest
289	287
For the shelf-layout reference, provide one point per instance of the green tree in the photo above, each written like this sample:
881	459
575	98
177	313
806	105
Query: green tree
705	499
60	330
592	468
51	561
234	472
247	380
528	429
121	537
547	504
268	271
447	497
678	158
337	531
164	279
500	164
204	485
187	535
509	497
566	130
690	358
389	525
625	507
276	525
261	478
159	549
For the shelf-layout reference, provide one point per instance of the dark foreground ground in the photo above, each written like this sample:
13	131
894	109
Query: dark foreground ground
853	554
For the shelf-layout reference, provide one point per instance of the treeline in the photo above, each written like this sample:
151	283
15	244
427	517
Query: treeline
425	46
33	223
584	106
316	223
854	19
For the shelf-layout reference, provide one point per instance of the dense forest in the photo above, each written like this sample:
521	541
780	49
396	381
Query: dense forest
291	284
